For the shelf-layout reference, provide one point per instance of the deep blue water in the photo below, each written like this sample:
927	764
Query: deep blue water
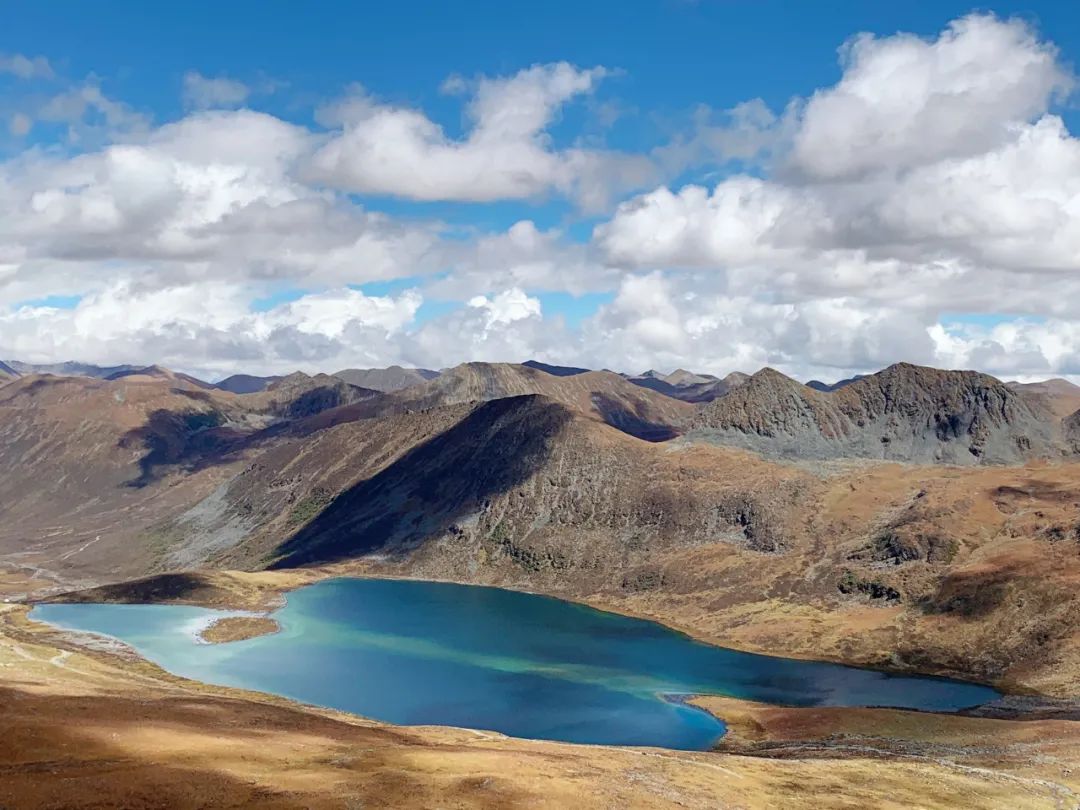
530	666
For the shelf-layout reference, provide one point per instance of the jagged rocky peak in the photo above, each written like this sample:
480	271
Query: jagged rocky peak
905	412
948	393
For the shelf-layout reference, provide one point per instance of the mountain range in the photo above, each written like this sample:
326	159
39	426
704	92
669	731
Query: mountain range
913	498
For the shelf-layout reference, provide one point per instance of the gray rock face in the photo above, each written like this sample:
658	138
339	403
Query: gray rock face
1070	427
904	413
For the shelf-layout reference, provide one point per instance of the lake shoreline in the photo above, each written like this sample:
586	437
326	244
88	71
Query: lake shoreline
266	591
441	626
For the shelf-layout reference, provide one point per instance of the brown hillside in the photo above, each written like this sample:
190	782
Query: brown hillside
1059	396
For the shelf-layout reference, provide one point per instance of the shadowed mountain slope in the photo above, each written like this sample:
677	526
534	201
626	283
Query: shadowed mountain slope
525	477
904	413
450	477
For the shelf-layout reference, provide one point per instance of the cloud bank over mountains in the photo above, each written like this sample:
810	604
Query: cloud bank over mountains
926	207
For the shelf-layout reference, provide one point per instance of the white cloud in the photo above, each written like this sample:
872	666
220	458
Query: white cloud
932	184
20	124
209	328
205	92
209	197
506	307
25	67
89	113
931	179
904	101
507	154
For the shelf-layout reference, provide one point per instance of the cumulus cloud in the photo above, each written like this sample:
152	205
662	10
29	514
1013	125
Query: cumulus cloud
888	216
207	198
20	124
932	178
89	113
507	154
904	101
204	92
25	67
209	328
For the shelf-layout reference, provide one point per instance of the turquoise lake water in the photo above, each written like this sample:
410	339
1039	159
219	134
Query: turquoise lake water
529	666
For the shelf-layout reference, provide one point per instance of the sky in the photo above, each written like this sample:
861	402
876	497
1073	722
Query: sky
825	188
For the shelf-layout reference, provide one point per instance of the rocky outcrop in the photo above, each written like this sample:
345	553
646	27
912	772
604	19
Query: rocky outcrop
1070	429
904	413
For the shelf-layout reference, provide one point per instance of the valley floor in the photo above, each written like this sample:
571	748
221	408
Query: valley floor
97	727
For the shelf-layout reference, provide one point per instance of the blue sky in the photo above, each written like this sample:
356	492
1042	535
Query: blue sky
675	53
671	69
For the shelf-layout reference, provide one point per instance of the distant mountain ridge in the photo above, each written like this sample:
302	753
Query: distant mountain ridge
245	383
818	385
603	394
903	413
69	369
392	378
557	371
688	386
1060	396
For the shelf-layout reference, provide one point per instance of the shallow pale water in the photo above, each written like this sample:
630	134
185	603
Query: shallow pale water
529	666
